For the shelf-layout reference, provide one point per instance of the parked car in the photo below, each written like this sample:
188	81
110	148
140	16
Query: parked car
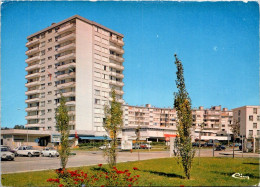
6	154
136	146
195	144
145	146
104	147
220	148
49	151
9	149
28	151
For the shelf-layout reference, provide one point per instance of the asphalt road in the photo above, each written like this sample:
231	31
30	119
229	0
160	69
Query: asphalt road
87	158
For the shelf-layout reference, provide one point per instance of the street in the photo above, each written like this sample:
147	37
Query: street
87	158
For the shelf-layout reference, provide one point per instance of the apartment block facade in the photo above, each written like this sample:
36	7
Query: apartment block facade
83	61
249	119
155	122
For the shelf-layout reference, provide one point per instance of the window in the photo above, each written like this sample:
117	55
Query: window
43	78
49	84
223	125
50	48
49	66
43	52
255	125
97	92
49	101
250	133
50	57
42	104
105	68
254	110
42	69
42	44
258	118
97	101
250	118
49	128
50	40
258	132
239	112
49	92
49	110
49	119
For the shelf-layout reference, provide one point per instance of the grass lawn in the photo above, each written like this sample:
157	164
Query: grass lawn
165	172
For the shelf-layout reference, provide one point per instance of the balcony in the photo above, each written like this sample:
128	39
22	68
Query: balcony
66	85
66	47
115	40
34	125
32	109
32	67
32	83
32	51
35	41
116	83
66	66
31	117
66	57
72	113
66	75
118	75
66	28
68	103
32	59
116	58
31	92
118	100
119	92
67	94
32	100
116	49
118	67
68	37
37	74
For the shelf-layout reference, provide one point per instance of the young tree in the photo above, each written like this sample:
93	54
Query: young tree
235	128
112	123
182	104
62	124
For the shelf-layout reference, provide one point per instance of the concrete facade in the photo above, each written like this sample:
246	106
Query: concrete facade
81	59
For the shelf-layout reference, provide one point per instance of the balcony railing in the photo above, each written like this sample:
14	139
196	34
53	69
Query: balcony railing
119	92
116	83
35	66
35	41
31	117
66	28
118	67
32	109
116	49
32	100
66	57
34	125
116	58
32	51
67	94
66	75
66	66
32	92
29	84
37	74
115	40
66	38
119	75
66	47
66	85
32	59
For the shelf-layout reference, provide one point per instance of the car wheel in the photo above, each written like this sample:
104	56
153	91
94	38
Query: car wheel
42	155
50	155
29	154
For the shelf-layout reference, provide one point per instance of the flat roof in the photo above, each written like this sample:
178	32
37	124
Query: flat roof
71	18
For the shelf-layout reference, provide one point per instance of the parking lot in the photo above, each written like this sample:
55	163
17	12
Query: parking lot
86	158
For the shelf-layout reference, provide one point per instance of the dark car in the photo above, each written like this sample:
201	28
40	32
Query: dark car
220	148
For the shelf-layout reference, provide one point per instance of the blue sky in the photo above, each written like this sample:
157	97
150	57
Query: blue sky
218	44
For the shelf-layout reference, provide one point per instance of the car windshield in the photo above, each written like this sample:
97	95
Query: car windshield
4	149
29	148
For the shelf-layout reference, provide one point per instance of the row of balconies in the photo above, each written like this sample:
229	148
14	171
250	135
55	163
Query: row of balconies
66	66
33	42
33	75
34	83
69	27
116	49
66	57
32	59
32	67
66	75
36	91
71	36
66	47
32	51
66	85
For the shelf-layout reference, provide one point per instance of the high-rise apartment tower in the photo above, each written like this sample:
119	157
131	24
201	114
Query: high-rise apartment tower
82	60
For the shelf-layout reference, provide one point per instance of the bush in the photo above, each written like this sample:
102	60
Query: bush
101	177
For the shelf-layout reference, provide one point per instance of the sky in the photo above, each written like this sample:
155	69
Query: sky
217	42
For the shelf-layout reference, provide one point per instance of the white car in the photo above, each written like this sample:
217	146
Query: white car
6	154
27	151
105	146
49	151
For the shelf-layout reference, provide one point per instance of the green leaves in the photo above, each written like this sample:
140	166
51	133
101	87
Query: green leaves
182	104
